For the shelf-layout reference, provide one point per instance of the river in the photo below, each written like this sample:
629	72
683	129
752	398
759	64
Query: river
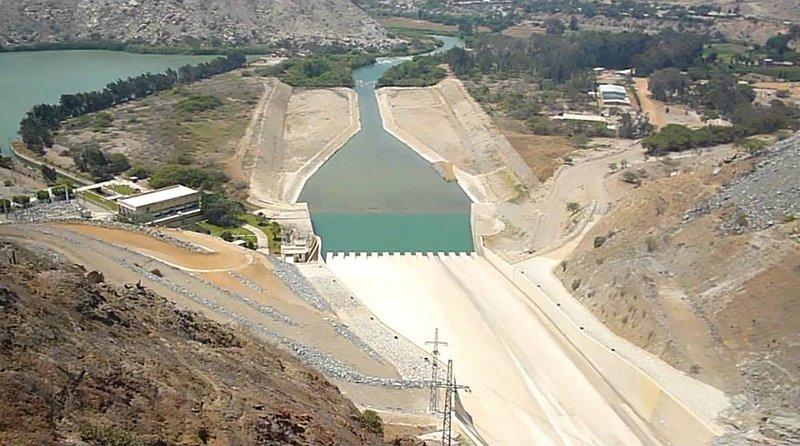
34	77
377	195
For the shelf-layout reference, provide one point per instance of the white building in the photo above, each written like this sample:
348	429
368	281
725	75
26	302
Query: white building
170	206
613	95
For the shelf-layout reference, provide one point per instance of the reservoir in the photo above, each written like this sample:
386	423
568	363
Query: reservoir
374	195
377	195
34	77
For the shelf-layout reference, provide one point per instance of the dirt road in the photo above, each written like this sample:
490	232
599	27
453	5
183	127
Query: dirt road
584	184
661	114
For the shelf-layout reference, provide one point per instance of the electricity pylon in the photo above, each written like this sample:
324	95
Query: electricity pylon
433	403
447	420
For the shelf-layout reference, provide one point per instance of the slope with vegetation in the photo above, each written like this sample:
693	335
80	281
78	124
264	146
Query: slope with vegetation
85	362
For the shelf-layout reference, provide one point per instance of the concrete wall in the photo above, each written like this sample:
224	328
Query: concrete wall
664	414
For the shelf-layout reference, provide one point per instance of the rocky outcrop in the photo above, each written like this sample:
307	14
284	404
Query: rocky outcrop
205	22
84	362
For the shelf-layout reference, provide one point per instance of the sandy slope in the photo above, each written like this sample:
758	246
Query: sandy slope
297	132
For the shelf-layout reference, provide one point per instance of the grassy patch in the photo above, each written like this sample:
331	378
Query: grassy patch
95	121
217	231
270	228
198	103
122	189
100	201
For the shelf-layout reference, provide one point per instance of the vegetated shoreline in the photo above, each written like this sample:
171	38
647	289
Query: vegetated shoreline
174	50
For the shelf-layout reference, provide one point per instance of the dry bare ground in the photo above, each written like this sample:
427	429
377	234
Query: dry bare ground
661	114
298	131
238	286
702	268
89	362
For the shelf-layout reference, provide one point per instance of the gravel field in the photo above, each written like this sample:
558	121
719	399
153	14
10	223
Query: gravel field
768	195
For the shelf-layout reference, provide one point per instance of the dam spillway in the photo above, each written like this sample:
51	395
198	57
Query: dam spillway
377	194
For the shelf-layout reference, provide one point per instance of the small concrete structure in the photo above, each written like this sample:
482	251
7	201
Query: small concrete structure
613	95
297	249
170	206
579	117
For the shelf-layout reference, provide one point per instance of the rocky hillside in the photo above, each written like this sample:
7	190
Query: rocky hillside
164	22
702	267
83	362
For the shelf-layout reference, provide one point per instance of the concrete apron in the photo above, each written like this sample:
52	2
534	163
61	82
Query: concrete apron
528	384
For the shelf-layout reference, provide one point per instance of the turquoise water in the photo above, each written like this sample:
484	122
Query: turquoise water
34	77
377	195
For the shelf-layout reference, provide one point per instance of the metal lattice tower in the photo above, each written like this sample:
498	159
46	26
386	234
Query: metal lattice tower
433	403
447	420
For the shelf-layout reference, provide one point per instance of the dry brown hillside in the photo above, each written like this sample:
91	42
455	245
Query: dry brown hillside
208	22
702	268
83	362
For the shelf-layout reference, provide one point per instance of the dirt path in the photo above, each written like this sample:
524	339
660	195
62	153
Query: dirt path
238	166
583	184
660	114
268	152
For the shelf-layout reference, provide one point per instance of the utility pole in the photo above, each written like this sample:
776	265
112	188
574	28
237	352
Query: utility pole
433	404
447	420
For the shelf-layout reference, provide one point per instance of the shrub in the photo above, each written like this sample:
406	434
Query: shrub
140	172
372	421
170	175
650	242
21	199
198	103
599	241
573	207
227	236
422	71
42	195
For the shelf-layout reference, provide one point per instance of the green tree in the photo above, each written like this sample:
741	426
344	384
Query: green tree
573	23
669	84
170	175
49	174
554	26
220	210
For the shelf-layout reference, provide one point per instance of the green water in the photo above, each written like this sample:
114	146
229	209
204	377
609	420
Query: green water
377	195
34	77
